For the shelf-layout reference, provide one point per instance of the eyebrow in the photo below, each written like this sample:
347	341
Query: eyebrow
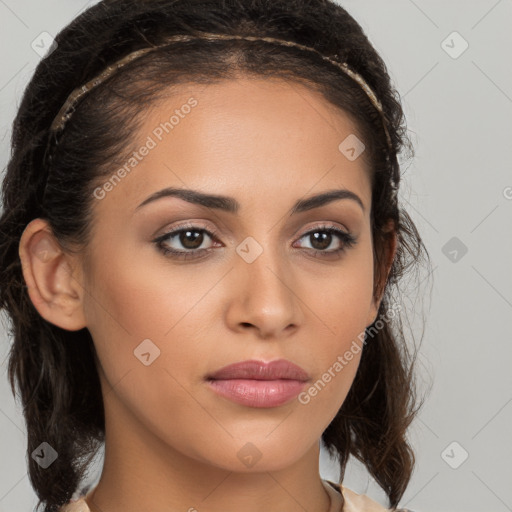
231	205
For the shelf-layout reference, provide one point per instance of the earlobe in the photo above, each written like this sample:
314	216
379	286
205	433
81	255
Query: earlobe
52	287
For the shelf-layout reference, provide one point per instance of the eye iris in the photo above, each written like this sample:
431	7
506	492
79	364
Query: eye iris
323	237
191	236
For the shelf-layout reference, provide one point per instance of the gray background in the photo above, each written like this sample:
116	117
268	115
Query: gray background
459	110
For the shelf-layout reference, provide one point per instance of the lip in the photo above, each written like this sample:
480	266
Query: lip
259	370
258	384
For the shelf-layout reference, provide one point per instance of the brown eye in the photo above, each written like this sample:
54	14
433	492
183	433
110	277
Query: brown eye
185	242
323	237
190	239
321	240
185	239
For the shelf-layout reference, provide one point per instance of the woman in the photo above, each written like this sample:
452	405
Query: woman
200	238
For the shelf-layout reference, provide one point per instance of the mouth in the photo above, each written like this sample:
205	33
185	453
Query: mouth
259	384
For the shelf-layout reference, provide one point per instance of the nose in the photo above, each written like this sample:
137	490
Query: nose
264	297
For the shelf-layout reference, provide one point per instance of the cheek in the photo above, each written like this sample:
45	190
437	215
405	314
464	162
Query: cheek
129	305
341	306
142	298
147	298
343	299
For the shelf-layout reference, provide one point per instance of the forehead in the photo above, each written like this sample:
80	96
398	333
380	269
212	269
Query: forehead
252	138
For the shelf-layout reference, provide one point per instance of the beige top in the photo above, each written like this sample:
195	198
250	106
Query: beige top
353	502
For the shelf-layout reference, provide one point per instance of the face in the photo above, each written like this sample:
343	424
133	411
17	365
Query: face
250	277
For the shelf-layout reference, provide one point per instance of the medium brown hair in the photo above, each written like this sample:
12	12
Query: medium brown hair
54	368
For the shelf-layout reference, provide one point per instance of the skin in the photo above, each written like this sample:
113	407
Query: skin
171	443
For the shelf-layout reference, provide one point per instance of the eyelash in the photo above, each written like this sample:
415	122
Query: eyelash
347	240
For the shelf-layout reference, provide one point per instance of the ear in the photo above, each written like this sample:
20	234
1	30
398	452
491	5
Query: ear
48	272
382	266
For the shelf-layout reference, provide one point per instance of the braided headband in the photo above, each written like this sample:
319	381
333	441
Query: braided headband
69	106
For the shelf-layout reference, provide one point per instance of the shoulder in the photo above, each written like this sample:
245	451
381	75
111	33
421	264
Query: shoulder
79	505
360	502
